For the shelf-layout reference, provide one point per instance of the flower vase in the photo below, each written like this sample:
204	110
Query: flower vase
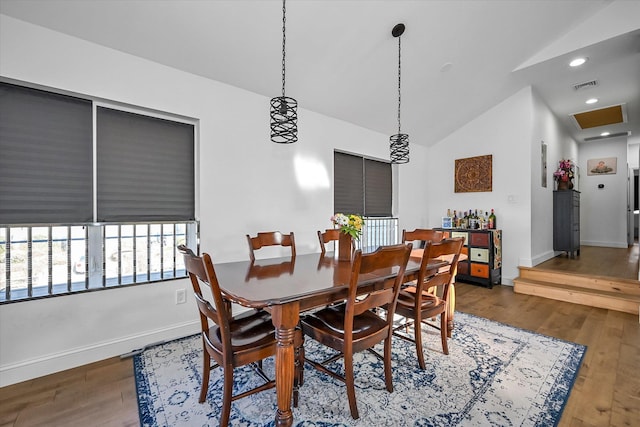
345	247
565	185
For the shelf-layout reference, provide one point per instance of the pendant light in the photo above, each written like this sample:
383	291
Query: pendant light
284	110
399	143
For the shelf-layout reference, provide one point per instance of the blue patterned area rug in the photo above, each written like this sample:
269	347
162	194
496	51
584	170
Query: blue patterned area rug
494	375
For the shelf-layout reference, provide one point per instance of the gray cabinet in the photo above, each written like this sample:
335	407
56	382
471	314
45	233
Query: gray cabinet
566	221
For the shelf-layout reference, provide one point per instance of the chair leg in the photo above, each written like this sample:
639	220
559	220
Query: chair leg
226	395
388	379
301	355
417	337
444	332
206	369
298	377
349	381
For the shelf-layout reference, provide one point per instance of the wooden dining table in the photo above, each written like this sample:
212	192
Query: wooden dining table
289	286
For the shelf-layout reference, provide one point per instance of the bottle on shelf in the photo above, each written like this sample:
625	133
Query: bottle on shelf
455	219
492	220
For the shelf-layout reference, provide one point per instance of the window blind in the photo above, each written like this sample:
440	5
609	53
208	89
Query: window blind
362	186
378	188
145	168
46	168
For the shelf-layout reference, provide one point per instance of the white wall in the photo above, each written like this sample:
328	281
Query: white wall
505	133
245	184
548	129
603	212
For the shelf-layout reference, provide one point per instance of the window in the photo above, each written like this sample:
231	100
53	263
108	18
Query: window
364	186
74	219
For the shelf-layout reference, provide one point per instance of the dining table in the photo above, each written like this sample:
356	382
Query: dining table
290	286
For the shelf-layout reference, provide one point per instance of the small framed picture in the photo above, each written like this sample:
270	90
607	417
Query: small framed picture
602	166
446	222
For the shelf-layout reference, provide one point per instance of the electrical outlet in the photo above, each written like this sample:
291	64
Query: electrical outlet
181	296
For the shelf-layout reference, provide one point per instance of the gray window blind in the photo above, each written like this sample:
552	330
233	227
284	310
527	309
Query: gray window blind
348	185
45	157
145	168
378	189
361	186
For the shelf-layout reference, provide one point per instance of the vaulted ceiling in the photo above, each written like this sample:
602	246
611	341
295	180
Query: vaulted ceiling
459	58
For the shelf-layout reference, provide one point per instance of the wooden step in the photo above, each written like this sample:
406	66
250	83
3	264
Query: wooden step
603	292
600	283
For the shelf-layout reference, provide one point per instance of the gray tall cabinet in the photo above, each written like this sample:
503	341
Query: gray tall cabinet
566	221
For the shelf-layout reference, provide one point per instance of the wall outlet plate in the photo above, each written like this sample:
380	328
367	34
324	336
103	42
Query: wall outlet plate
181	296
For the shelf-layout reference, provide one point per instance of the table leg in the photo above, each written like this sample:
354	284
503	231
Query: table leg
451	308
285	318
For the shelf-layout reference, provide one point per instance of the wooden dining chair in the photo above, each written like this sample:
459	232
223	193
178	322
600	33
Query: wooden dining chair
233	341
427	297
271	238
353	326
329	235
422	234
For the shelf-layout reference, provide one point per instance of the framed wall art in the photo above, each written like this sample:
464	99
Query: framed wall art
543	160
473	174
602	166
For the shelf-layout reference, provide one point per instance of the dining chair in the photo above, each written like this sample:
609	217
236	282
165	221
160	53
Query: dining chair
427	297
233	341
271	238
353	326
422	234
329	235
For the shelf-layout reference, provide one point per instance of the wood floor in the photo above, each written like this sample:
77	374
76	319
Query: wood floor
606	392
598	261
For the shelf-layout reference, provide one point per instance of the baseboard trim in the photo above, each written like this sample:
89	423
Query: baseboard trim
622	245
56	362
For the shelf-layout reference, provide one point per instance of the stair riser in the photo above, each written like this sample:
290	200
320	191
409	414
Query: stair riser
622	286
577	297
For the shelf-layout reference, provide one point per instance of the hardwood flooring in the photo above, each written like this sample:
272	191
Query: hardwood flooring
598	261
606	392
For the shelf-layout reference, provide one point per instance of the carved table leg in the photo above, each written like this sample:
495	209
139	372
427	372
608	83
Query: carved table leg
451	308
285	318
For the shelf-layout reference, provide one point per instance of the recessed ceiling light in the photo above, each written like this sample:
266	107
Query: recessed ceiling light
577	62
605	134
591	101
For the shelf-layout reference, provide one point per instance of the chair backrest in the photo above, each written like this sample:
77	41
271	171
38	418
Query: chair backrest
271	238
422	234
449	250
329	235
385	259
201	272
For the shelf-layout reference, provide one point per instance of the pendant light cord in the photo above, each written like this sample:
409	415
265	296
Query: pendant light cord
284	38
399	81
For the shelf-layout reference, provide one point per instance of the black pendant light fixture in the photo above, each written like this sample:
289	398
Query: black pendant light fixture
399	143
284	110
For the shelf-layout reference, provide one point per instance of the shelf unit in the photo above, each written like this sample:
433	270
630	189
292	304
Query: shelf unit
483	248
566	221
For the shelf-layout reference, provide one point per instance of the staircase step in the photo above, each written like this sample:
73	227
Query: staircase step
598	283
612	300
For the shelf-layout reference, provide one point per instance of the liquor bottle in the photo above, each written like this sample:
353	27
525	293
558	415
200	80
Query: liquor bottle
455	219
492	220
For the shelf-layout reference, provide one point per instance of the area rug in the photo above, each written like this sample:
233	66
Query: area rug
494	375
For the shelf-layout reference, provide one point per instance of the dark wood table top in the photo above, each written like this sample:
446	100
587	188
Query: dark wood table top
312	279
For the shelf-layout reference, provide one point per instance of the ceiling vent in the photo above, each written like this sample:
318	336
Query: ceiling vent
585	85
612	135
